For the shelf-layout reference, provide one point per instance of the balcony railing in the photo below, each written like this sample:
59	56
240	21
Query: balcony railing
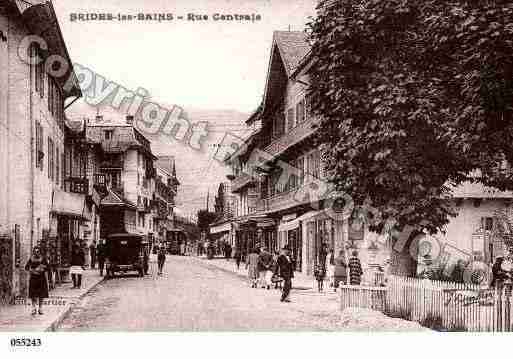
241	181
99	179
291	138
77	185
294	197
112	164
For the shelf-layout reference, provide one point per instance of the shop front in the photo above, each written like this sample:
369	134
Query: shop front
70	217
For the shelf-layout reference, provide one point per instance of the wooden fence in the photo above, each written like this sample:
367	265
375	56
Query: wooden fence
435	304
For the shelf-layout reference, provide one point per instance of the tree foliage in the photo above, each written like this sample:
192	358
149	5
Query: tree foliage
205	219
415	96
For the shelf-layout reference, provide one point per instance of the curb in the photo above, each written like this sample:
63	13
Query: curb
58	321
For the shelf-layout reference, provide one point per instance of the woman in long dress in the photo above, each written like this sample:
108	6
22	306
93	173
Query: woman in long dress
330	267
252	265
38	282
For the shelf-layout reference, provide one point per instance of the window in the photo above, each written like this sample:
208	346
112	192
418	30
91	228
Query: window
301	167
63	167
279	125
57	161
290	119
108	134
51	95
51	155
313	164
39	71
39	146
308	107
300	111
487	223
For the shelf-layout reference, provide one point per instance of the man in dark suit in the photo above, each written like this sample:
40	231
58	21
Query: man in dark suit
285	269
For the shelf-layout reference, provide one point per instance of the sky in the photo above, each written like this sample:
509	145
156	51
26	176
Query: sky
216	70
201	64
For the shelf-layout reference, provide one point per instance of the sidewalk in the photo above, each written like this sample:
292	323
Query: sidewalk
300	280
18	317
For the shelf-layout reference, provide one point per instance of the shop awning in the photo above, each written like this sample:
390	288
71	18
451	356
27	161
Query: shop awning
70	205
225	227
288	226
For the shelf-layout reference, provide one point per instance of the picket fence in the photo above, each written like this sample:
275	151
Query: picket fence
435	304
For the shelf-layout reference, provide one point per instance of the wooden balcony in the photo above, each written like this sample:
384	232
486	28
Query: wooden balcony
112	164
241	181
78	185
294	136
282	201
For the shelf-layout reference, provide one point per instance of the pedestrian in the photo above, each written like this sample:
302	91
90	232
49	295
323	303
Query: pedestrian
37	266
182	248
161	259
100	255
285	270
274	268
340	270
92	253
265	261
237	256
77	265
355	269
320	275
330	267
498	274
228	249
252	267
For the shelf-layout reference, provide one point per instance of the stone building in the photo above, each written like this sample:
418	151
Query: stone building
32	137
166	187
127	166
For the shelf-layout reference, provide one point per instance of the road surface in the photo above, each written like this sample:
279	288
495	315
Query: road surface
194	296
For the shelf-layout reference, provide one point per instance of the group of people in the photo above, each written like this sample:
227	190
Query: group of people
266	269
335	269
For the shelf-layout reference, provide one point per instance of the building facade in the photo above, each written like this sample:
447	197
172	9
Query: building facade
127	165
33	143
281	187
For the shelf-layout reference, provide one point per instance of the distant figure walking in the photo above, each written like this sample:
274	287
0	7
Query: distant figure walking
237	256
38	282
285	269
100	255
161	259
330	268
320	275
355	269
77	265
92	254
252	266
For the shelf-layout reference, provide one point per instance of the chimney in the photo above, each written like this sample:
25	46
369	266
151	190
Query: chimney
130	119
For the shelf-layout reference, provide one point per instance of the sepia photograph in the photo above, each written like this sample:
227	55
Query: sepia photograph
263	166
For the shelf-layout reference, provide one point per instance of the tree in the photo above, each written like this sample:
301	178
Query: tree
415	96
205	219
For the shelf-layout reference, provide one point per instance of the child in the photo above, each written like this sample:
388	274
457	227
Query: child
320	274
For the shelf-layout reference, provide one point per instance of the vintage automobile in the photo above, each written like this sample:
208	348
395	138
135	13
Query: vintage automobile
125	252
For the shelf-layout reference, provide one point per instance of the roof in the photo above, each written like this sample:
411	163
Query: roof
42	21
165	163
288	50
75	126
293	48
477	190
115	199
124	137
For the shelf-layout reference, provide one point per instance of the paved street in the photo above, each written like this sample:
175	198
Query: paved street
193	295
